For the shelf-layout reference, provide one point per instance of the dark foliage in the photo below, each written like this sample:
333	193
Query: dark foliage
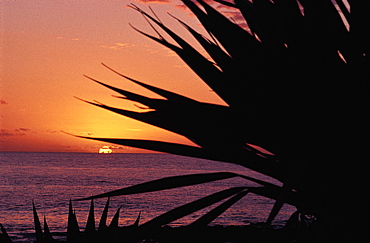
296	83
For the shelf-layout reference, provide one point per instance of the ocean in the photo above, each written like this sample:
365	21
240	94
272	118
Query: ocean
52	179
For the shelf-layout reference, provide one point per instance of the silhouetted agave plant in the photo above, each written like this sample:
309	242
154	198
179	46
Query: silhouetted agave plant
103	233
296	84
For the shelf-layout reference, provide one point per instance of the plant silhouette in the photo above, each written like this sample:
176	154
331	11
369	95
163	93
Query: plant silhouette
296	83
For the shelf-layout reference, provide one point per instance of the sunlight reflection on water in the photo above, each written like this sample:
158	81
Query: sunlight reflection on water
52	179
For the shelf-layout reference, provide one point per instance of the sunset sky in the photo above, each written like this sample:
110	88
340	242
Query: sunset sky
46	48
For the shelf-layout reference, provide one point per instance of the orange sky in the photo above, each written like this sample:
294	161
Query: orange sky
47	46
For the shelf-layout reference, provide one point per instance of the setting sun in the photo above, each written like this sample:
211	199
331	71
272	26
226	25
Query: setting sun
105	150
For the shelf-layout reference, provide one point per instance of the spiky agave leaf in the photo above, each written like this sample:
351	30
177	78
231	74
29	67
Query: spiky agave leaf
201	118
137	221
73	230
48	238
237	44
90	223
214	213
171	96
103	219
39	233
198	63
176	182
221	58
264	19
4	237
189	208
115	220
167	183
290	197
279	203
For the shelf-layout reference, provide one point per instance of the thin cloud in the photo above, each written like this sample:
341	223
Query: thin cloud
180	5
67	38
13	133
4	133
22	130
121	148
122	44
52	131
87	133
154	1
176	4
78	133
3	102
117	46
166	2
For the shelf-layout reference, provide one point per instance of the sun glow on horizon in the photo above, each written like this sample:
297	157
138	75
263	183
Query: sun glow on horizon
49	45
105	150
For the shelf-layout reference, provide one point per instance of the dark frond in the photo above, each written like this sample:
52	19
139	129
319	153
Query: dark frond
189	208
296	84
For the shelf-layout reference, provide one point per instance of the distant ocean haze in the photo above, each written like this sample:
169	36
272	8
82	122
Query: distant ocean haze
52	179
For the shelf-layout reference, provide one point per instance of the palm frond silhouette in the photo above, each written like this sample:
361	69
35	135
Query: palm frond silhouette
296	84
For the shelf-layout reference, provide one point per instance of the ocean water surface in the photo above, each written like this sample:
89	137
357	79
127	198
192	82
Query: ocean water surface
52	179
